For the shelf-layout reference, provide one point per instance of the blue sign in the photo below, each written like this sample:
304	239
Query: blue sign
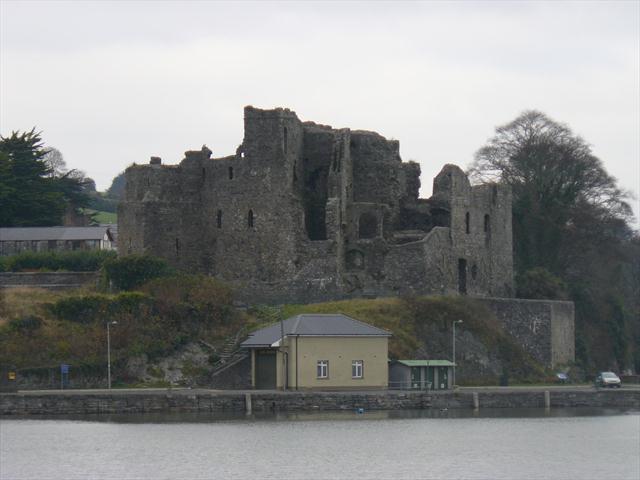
64	369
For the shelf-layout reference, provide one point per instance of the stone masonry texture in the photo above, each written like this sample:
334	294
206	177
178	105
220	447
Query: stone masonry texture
304	212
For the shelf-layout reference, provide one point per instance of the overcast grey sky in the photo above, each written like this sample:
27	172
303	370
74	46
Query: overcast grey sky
111	83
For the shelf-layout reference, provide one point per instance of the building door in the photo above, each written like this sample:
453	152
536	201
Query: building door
415	377
266	369
443	377
431	378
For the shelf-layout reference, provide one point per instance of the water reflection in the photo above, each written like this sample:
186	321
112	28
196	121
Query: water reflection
343	415
422	444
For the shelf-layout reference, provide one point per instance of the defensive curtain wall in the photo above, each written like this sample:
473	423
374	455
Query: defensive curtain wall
304	213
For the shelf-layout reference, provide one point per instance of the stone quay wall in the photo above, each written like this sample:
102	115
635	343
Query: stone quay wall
259	402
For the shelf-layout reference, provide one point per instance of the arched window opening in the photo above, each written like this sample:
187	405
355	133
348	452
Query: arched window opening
204	174
250	219
241	154
285	140
367	226
295	172
219	219
467	223
230	173
494	194
177	247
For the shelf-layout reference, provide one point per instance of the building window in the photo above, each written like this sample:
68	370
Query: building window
230	173
250	219
323	369
357	369
467	223
177	247
219	219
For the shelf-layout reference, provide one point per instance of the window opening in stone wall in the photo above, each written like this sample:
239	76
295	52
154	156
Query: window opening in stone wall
241	154
487	229
295	171
315	203
285	140
230	173
367	226
250	219
467	223
462	276
177	247
204	174
219	219
474	271
494	194
355	260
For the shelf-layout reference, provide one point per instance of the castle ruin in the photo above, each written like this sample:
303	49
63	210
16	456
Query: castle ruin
305	212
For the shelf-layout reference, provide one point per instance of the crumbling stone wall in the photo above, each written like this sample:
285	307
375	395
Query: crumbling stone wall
304	212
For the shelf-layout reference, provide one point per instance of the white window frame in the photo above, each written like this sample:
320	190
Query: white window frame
322	369
355	366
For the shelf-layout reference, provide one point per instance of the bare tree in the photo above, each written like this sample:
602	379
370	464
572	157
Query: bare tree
54	161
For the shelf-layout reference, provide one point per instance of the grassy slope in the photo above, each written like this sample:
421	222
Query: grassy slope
414	323
105	217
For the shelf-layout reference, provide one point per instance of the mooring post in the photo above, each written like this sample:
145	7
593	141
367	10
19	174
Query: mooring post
476	401
247	403
547	399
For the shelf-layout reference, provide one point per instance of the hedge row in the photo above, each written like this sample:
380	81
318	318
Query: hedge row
78	261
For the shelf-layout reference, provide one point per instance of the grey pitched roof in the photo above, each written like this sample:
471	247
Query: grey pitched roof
315	324
53	233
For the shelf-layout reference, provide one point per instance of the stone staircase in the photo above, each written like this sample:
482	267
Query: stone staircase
230	354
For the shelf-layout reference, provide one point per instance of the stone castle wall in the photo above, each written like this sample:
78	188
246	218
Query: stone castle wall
304	212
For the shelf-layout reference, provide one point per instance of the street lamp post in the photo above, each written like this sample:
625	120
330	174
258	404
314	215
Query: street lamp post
109	352
454	351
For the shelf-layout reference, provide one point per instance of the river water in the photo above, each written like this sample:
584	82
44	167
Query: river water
454	444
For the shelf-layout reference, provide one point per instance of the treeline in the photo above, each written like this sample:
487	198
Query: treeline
37	189
572	234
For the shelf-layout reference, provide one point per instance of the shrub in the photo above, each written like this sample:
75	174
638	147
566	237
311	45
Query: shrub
540	284
81	309
92	308
26	325
131	271
78	261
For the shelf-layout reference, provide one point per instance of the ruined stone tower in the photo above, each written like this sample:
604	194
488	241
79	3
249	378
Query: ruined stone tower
304	212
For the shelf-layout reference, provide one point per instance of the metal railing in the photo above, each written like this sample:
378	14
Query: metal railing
410	385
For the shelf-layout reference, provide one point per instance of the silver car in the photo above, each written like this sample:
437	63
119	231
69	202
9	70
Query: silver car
608	379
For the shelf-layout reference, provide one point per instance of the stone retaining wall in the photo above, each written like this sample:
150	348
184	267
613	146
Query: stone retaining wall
49	280
202	401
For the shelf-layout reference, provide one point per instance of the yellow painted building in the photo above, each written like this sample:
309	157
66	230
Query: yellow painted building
319	351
